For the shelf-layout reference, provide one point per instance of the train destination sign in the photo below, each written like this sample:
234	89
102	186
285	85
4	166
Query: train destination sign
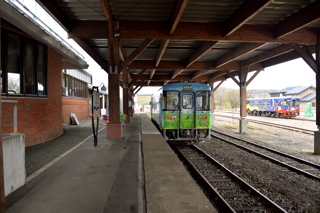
187	87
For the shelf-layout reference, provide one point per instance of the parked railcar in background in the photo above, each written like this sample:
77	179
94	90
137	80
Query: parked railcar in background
182	111
274	106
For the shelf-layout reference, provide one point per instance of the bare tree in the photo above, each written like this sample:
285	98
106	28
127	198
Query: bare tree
219	97
13	85
233	98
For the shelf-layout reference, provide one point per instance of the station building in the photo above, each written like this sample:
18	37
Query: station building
41	76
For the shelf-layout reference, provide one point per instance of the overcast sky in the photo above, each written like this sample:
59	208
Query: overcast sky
289	74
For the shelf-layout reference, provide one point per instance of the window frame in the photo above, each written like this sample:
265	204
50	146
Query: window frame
24	40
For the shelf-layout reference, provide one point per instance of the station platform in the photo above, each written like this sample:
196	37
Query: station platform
139	173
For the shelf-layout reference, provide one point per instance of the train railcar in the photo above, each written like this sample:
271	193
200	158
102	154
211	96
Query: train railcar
274	106
182	111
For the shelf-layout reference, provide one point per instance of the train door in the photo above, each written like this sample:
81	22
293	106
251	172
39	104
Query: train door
187	119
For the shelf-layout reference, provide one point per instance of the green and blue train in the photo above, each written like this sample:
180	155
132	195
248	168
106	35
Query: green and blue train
182	111
285	107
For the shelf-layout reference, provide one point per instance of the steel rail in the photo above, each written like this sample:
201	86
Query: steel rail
251	190
305	131
295	169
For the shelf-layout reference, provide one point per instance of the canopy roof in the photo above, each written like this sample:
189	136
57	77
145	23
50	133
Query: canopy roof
196	40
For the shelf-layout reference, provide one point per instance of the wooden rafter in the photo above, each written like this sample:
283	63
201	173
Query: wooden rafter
213	89
136	53
179	65
176	73
199	73
185	31
239	51
176	14
282	49
152	73
245	12
305	53
162	48
136	77
107	10
284	58
122	56
219	73
166	82
253	76
138	90
298	20
85	45
203	49
167	77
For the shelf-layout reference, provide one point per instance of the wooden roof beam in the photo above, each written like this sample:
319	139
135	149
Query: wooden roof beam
199	73
177	11
136	53
167	77
176	73
279	50
297	20
136	77
239	51
186	31
166	82
203	49
107	10
284	58
306	55
161	50
152	73
179	65
245	12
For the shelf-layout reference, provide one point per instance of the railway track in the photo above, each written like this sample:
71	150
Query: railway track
231	192
280	126
293	118
292	163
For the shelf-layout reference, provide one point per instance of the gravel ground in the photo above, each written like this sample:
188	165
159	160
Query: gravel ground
284	187
39	155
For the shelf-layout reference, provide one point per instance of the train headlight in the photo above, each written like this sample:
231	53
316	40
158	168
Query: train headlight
172	117
203	117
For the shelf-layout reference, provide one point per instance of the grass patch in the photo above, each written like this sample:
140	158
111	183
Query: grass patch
253	127
255	136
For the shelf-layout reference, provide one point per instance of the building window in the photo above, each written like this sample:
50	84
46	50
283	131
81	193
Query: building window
313	104
74	87
23	66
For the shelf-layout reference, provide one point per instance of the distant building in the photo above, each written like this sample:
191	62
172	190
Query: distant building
278	93
305	93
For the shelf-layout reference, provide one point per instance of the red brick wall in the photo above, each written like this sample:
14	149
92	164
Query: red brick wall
40	119
77	106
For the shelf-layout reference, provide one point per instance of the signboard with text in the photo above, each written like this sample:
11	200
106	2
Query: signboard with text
96	104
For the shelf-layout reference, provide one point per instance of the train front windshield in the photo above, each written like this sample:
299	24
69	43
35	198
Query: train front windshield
295	103
203	100
170	100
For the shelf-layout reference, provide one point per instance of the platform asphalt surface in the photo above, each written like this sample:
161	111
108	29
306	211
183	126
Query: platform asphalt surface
70	175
